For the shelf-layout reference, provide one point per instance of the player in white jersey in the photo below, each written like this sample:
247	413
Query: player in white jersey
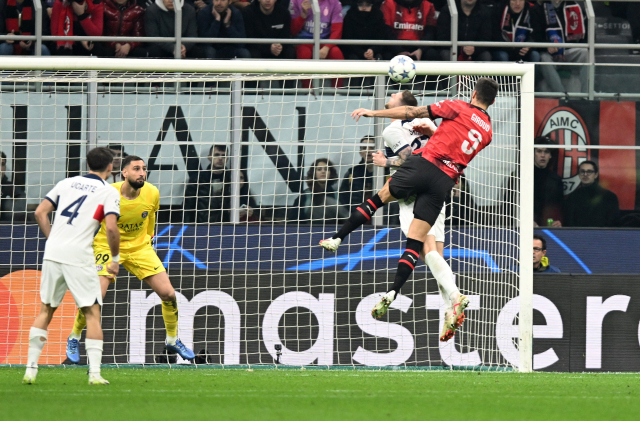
80	204
400	141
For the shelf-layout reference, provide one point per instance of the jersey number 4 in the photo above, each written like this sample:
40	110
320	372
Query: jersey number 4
72	210
476	138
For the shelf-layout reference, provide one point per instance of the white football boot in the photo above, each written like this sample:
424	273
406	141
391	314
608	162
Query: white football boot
331	244
381	308
454	317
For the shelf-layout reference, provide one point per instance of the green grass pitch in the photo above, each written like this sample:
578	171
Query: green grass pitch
314	394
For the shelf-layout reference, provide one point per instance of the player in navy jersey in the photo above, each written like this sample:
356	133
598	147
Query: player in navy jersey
429	174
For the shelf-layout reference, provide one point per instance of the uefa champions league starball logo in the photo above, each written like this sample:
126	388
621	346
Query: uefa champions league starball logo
566	127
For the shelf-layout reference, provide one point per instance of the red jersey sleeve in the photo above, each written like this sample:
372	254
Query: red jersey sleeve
388	11
447	109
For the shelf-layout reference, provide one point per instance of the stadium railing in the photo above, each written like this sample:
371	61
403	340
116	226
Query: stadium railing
453	44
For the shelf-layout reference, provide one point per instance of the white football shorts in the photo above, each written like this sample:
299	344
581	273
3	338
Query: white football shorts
83	282
406	216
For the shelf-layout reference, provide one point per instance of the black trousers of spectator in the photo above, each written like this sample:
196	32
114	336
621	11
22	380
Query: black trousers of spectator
156	51
77	49
287	53
102	49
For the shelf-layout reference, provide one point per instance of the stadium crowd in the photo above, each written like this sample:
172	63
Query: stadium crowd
408	20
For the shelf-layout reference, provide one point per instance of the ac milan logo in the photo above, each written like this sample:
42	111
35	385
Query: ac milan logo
66	25
566	127
573	20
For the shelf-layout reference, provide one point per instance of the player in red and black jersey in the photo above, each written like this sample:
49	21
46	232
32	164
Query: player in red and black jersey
430	173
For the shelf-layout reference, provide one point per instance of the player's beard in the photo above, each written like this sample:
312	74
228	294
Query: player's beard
136	184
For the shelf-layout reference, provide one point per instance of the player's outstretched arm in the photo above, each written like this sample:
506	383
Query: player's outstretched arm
406	113
113	238
382	161
42	216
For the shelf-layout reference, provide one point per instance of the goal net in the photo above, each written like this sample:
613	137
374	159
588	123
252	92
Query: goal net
254	168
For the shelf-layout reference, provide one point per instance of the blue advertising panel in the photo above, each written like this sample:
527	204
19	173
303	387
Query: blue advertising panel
280	248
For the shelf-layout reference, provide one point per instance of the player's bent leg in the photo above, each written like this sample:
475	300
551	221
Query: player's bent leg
94	344
359	217
161	284
37	339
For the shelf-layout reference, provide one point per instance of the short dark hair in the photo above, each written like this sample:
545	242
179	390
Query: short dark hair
409	99
218	147
541	238
3	155
486	89
98	159
368	138
129	159
595	166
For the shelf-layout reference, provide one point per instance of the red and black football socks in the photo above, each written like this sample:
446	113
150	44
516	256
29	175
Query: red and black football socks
407	263
360	216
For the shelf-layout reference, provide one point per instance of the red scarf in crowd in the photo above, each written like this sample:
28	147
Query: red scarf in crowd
65	25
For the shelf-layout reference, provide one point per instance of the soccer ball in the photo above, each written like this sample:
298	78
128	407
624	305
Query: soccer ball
402	69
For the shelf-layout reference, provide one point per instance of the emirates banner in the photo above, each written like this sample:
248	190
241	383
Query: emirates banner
581	123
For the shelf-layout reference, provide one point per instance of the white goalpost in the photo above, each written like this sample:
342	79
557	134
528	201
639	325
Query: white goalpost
256	161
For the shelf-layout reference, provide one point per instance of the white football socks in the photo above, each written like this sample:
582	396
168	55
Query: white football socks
75	336
37	339
94	354
443	274
171	340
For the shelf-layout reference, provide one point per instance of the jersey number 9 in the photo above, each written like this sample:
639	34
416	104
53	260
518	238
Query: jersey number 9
476	138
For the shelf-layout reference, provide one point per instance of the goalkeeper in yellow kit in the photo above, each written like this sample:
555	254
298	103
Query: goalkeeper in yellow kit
139	202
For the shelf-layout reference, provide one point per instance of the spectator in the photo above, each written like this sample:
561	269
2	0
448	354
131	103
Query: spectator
269	20
591	205
366	22
249	210
357	185
412	20
220	20
514	25
211	188
122	18
118	154
87	20
319	202
561	22
331	28
159	21
18	17
548	192
13	200
473	25
540	260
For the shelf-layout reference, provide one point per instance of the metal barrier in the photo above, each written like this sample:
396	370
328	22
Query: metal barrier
454	44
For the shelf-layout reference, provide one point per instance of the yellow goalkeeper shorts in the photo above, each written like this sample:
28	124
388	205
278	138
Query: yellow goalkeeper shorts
141	263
